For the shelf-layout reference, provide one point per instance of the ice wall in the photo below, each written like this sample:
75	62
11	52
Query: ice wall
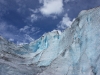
75	51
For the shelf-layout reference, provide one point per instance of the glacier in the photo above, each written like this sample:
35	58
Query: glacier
75	51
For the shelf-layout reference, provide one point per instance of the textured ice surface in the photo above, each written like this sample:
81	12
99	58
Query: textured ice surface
76	51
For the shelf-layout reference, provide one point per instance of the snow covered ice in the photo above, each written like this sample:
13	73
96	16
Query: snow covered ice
76	51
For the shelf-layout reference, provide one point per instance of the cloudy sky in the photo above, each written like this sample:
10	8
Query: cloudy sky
23	21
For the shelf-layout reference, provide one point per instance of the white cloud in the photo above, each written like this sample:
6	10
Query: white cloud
5	27
66	22
34	11
29	29
33	29
51	7
11	39
33	17
8	31
24	28
27	37
54	17
12	33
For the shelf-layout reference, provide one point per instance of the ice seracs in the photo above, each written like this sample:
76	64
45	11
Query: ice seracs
76	51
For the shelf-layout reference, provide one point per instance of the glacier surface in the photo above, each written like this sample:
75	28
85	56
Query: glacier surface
76	51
